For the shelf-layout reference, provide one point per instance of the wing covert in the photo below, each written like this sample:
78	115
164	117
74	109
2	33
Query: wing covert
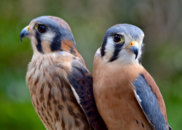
149	103
82	86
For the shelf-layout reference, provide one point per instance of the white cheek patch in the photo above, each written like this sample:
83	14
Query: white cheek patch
126	57
48	37
33	43
109	49
36	53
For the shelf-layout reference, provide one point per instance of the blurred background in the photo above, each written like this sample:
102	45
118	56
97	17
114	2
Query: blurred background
89	19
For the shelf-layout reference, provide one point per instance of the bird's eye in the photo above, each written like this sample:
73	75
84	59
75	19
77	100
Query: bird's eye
118	39
41	28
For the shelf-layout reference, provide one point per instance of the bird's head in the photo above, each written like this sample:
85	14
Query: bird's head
122	43
49	34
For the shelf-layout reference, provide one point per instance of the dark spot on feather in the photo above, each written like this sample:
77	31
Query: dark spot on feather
43	120
61	67
57	116
60	107
29	78
49	115
36	80
50	95
42	88
70	110
63	123
43	73
40	63
37	102
136	121
49	124
77	124
142	124
42	113
55	102
61	89
38	113
44	105
41	98
49	105
46	118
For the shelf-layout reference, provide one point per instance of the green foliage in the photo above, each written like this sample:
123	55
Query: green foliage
89	21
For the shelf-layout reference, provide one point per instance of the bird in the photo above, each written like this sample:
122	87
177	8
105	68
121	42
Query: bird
126	95
60	85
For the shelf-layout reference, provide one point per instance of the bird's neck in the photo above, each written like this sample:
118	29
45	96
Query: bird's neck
68	46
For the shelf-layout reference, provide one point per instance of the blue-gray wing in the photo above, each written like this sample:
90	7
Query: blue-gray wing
149	104
81	83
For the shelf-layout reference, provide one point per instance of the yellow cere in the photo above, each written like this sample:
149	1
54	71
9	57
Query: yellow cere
133	43
28	28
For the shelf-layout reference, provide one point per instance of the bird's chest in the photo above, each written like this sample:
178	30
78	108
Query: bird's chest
114	82
115	95
53	99
116	100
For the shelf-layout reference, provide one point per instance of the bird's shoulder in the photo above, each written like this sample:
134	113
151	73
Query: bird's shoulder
52	64
155	89
150	99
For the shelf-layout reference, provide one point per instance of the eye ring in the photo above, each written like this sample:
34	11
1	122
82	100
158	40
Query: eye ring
41	28
118	39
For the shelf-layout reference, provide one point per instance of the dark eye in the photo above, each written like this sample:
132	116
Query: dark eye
119	39
41	28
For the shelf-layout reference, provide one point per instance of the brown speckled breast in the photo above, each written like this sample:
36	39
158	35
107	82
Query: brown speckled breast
51	94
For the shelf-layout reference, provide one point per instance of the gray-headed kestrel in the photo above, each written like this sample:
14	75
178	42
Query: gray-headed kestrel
126	95
60	84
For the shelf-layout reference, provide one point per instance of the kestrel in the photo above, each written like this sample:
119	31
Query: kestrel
60	84
126	96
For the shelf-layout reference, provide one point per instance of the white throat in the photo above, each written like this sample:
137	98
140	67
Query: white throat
126	57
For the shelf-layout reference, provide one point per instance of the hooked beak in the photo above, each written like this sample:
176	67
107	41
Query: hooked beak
133	46
24	33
